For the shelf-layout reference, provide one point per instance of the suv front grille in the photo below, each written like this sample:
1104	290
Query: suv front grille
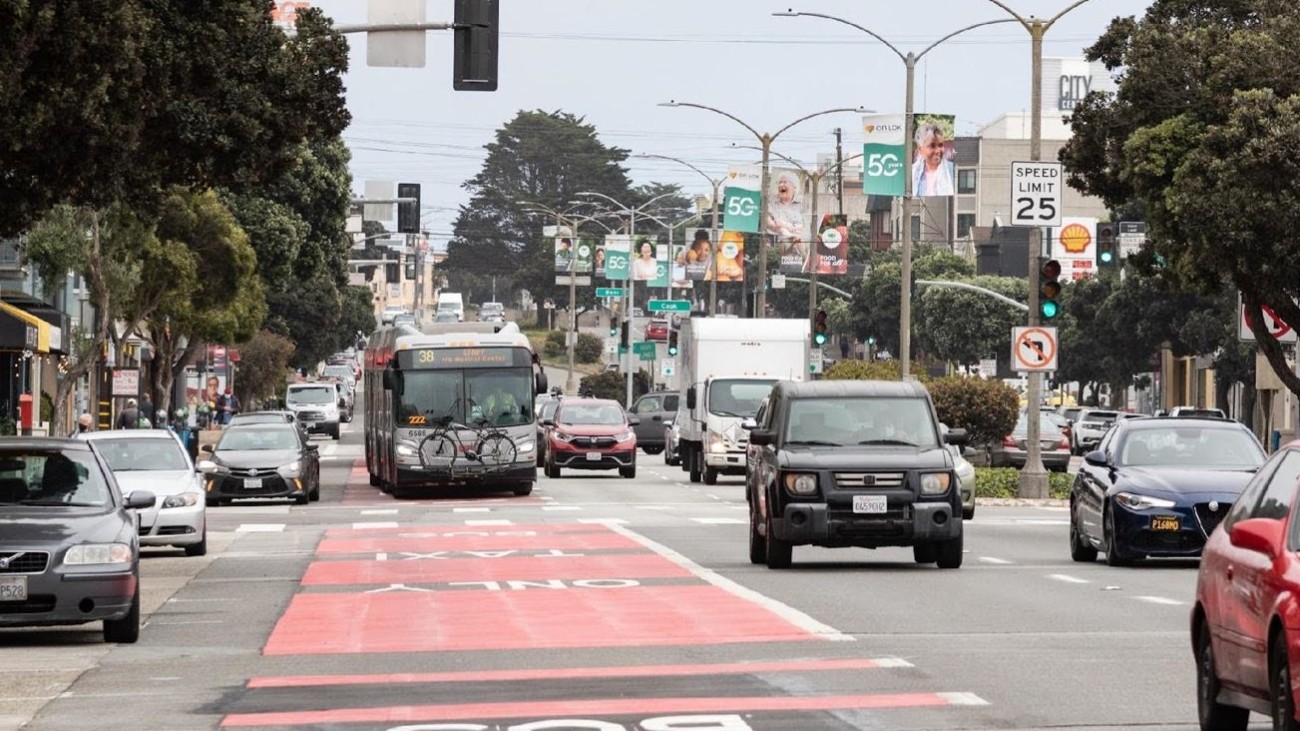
593	442
23	562
869	480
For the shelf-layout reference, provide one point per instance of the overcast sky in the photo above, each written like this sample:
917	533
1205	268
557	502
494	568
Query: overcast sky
613	61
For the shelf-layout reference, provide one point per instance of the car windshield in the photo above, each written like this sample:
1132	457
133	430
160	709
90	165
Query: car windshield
477	396
861	421
737	398
311	395
493	307
257	439
51	478
446	317
340	371
590	415
1190	446
143	454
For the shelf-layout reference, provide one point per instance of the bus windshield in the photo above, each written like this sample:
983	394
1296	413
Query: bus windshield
476	397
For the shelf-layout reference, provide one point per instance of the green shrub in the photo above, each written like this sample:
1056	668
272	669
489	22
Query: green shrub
987	410
589	348
865	370
1004	482
555	346
613	385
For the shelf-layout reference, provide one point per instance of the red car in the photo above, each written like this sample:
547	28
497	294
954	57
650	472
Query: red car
657	329
590	434
1246	621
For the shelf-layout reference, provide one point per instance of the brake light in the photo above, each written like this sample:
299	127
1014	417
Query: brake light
1065	443
1009	441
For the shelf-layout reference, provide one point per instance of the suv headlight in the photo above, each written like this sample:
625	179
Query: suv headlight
1133	501
935	483
293	469
801	484
624	437
98	554
183	500
562	436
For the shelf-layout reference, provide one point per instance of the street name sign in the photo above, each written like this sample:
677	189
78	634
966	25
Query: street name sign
1036	194
644	350
610	292
669	306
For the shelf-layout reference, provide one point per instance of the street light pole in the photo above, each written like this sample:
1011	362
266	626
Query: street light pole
909	60
713	227
765	141
1033	478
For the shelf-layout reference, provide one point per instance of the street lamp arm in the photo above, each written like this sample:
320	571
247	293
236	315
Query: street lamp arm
1013	14
776	154
807	117
973	288
969	27
715	110
868	31
1057	17
712	181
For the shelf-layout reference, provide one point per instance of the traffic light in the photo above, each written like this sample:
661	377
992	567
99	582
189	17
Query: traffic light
1049	290
613	327
672	343
1107	245
408	214
477	27
626	340
820	328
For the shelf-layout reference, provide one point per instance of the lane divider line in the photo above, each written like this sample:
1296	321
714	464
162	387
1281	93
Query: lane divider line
1160	600
992	560
1068	579
493	521
373	524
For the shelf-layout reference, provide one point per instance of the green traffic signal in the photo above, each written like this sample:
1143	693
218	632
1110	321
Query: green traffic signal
1107	257
1049	309
819	339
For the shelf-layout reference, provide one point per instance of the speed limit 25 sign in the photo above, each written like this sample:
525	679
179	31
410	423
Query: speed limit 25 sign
1036	194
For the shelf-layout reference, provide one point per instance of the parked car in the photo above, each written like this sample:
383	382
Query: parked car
591	434
1071	413
1090	427
261	461
1158	487
544	411
657	329
1247	593
1052	446
1060	422
1197	411
672	442
653	410
852	463
492	312
69	546
965	475
154	460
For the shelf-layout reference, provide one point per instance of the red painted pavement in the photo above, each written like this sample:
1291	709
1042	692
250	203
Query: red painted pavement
585	709
403	621
516	568
613	671
472	539
437	530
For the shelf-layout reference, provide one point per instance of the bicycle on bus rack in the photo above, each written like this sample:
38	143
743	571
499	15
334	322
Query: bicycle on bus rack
444	451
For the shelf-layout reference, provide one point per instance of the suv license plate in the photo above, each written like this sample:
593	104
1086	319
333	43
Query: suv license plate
593	456
253	483
870	504
13	588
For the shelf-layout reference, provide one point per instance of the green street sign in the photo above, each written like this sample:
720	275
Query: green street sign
669	306
610	292
645	351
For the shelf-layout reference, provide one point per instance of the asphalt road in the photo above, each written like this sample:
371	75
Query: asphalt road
622	602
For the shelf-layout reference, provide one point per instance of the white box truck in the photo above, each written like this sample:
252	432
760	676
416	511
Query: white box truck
728	366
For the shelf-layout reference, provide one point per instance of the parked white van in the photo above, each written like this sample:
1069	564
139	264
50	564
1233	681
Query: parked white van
452	302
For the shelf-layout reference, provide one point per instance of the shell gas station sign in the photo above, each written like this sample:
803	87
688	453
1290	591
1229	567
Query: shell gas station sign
1074	246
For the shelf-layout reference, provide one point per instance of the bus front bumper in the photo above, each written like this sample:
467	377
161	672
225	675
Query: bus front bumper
467	476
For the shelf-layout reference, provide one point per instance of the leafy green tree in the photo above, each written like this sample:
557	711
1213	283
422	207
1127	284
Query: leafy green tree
263	367
109	102
358	316
962	326
1202	132
876	302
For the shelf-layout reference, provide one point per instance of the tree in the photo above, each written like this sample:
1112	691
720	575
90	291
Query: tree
1202	131
263	367
109	102
358	316
962	326
876	302
986	409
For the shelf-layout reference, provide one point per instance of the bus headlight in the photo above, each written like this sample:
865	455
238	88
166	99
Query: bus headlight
525	446
406	448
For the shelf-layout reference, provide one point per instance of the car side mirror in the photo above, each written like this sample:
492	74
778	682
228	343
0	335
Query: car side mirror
313	448
956	436
1262	535
1096	458
761	437
208	448
748	424
548	422
690	398
140	500
633	421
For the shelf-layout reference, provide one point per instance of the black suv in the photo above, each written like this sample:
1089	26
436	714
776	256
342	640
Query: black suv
852	463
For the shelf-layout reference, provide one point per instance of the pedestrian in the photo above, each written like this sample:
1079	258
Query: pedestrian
146	410
129	417
223	408
85	423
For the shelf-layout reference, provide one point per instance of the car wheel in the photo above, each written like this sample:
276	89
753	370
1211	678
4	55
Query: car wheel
524	489
1213	715
628	472
1113	557
127	629
710	476
925	553
780	554
652	450
949	553
211	502
552	469
334	432
1282	698
1080	549
968	513
314	495
693	459
757	543
375	481
301	499
200	548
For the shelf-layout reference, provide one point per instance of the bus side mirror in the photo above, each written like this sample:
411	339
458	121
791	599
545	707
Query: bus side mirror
690	398
542	383
393	381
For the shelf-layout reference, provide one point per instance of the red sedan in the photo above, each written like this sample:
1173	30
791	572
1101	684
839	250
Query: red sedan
657	329
590	434
1246	622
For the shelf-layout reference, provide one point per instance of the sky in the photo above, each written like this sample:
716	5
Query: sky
612	62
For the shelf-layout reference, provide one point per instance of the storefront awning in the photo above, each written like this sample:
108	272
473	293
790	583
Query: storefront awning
20	330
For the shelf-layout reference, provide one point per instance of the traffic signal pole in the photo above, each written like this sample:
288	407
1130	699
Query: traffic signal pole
1033	478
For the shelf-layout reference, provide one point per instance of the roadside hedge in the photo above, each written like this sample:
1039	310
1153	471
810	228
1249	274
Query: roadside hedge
864	370
987	410
1004	482
588	350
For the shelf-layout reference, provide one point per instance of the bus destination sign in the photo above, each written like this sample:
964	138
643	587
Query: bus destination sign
418	358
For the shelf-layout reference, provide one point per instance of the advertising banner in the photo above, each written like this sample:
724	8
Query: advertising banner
832	245
696	256
573	256
789	222
677	270
729	262
663	263
1074	247
742	202
882	154
618	257
934	168
644	262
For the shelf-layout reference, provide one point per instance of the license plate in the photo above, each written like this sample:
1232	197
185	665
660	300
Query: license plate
253	483
870	504
13	588
593	456
1165	522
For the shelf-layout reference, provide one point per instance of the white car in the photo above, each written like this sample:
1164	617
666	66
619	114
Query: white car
965	478
154	460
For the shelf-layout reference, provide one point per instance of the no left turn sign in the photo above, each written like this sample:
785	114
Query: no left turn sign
1033	349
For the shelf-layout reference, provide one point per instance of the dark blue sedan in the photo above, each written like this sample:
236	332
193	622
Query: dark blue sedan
1158	487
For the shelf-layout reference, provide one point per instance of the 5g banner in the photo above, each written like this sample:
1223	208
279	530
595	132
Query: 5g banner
882	154
743	199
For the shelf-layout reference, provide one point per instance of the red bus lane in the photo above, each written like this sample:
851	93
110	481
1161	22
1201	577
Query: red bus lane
597	595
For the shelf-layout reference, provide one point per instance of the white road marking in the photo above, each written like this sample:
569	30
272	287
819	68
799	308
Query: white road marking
655	507
561	507
720	521
386	511
990	559
498	521
260	528
790	614
1068	579
963	699
471	510
1160	600
602	521
373	524
892	662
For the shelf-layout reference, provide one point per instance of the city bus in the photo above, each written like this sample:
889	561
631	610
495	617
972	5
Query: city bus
443	380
